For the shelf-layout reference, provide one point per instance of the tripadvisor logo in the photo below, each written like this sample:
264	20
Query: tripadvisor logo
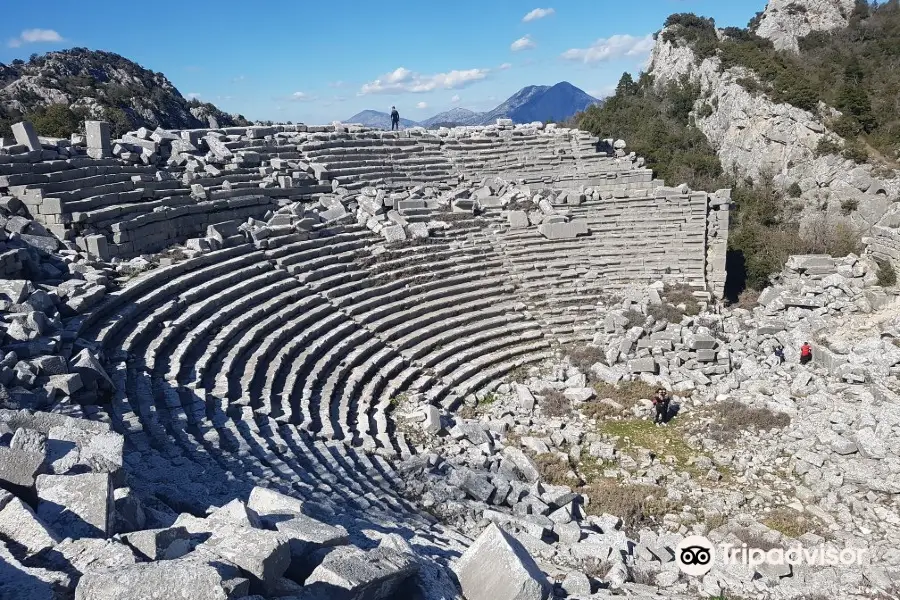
695	555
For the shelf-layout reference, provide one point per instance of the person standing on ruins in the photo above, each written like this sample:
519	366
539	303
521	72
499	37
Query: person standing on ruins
805	353
661	403
395	119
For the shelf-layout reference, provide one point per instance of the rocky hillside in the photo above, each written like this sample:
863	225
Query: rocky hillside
822	122
57	90
786	21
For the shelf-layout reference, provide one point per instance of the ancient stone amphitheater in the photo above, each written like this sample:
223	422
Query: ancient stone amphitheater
320	274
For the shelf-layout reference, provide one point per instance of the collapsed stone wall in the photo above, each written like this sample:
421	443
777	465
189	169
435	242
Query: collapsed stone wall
149	190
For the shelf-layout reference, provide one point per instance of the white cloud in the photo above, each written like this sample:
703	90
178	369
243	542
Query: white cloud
538	13
301	97
403	80
523	43
610	48
336	84
455	99
34	36
238	79
422	105
193	96
505	66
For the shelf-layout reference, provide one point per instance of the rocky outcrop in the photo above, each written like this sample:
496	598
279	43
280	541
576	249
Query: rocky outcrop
99	82
785	21
757	137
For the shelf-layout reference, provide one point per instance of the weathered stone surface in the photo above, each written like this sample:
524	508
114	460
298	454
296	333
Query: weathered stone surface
263	554
19	523
183	579
77	505
352	574
497	567
19	467
153	544
274	506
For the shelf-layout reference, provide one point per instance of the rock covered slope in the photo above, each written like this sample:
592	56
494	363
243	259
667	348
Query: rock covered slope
785	21
756	136
101	85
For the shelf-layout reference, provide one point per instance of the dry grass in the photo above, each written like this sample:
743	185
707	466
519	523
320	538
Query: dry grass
731	417
526	205
627	393
555	404
554	469
584	356
635	319
666	312
748	299
667	444
636	505
682	294
518	375
789	522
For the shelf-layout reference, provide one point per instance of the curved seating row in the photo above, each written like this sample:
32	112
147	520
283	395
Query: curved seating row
280	366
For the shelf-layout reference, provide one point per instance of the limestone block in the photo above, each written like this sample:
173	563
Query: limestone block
26	135
163	579
265	555
526	398
98	139
642	365
19	468
518	219
77	505
394	233
497	567
153	544
97	246
19	523
349	573
271	505
432	422
417	230
557	231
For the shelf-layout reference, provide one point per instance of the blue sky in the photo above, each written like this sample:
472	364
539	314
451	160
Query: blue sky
315	62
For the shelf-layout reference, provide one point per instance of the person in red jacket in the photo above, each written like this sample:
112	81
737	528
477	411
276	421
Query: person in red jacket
805	353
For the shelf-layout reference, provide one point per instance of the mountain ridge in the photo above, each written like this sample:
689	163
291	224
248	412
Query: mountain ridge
59	89
531	103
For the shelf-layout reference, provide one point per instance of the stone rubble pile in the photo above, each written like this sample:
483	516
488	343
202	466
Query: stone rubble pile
670	347
841	471
471	472
70	527
813	288
48	286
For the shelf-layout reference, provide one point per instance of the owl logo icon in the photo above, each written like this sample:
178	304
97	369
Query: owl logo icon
695	555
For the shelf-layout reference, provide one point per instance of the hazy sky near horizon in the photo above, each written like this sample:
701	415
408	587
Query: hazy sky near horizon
316	62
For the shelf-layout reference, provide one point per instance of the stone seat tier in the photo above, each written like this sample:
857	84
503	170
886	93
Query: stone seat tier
192	319
190	304
119	308
254	346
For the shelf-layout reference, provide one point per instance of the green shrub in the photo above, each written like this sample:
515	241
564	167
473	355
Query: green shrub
794	190
856	152
827	146
887	276
849	205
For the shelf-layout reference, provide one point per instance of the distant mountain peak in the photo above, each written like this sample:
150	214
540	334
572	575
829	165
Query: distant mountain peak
531	103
